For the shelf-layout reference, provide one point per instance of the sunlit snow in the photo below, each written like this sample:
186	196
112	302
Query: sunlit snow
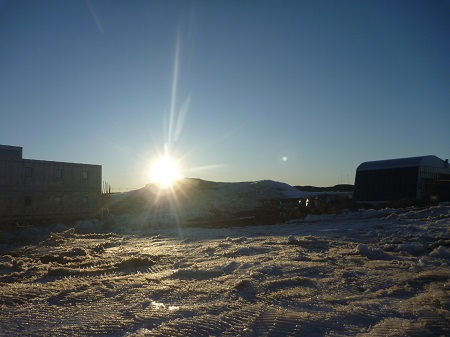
357	273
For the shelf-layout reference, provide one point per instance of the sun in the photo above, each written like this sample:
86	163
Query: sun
165	171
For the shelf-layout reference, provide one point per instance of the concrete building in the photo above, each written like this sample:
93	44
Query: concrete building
39	189
414	179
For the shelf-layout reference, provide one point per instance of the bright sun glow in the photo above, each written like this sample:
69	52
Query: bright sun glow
165	171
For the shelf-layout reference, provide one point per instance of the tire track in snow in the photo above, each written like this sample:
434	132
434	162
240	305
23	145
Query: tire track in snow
265	285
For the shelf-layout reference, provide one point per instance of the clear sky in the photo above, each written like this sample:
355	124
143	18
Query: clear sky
296	91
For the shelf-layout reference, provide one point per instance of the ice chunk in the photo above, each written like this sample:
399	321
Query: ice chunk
371	253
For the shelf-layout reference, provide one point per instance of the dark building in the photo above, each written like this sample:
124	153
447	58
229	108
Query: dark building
416	178
36	189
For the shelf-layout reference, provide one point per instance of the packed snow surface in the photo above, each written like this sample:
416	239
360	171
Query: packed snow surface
366	273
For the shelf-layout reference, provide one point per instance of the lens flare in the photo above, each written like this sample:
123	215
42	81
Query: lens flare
165	172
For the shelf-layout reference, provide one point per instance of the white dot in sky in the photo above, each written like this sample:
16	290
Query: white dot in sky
285	158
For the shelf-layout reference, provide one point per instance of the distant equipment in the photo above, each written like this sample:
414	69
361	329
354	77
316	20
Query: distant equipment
425	178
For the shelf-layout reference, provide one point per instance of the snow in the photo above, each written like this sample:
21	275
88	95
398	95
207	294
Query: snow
194	199
364	273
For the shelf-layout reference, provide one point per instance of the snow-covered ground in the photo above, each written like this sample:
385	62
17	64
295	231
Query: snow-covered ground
367	273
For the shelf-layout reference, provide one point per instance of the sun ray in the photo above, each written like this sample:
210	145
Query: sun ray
165	172
173	98
94	16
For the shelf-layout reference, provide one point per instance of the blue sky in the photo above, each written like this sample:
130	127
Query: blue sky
230	88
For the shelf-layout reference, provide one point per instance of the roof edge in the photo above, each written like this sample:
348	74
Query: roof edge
430	160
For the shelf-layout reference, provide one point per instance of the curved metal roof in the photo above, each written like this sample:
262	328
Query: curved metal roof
432	161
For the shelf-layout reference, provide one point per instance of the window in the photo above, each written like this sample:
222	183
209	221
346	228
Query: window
28	172
85	175
58	173
27	201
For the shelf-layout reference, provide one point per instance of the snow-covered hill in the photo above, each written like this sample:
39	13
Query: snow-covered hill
195	199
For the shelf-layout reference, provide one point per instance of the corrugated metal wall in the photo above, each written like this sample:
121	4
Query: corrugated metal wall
36	189
386	184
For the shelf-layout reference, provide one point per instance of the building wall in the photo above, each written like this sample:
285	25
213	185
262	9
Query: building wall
418	178
11	152
47	189
435	181
386	184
